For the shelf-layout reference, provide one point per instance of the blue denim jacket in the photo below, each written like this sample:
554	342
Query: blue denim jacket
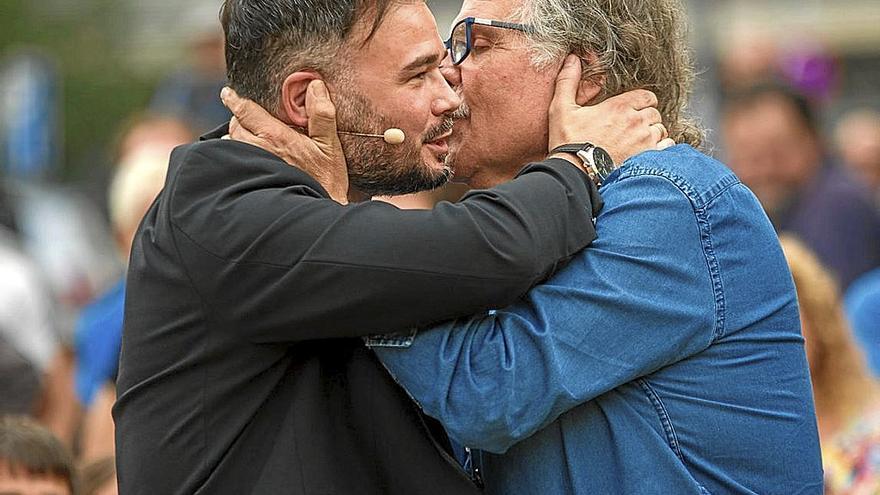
665	358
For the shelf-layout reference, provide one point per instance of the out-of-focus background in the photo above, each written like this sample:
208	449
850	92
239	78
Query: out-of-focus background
95	93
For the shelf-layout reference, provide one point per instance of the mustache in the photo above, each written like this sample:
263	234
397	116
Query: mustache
439	130
462	112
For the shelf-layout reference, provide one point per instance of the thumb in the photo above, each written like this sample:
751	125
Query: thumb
322	114
567	82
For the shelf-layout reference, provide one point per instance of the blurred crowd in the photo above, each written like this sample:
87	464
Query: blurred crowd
62	258
60	316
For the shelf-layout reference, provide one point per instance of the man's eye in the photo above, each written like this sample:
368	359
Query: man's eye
482	44
425	73
482	47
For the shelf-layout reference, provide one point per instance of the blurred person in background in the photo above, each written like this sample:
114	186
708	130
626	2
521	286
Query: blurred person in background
36	366
862	302
748	56
191	92
155	132
33	461
847	397
773	144
8	222
20	381
28	341
20	369
857	139
144	151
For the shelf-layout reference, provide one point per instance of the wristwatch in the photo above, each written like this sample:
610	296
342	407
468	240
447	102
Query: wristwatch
597	162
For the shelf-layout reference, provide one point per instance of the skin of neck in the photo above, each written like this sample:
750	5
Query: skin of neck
356	196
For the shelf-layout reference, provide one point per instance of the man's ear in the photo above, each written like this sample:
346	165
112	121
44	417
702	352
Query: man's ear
589	88
293	97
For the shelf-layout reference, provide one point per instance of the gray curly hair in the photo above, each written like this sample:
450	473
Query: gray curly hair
637	44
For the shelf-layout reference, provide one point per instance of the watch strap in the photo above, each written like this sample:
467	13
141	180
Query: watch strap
580	151
572	148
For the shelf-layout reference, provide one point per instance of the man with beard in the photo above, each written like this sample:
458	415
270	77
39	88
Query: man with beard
246	279
666	357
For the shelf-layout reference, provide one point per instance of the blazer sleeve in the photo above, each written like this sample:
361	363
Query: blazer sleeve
295	265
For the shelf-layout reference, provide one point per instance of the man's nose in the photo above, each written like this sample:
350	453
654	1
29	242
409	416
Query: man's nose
447	101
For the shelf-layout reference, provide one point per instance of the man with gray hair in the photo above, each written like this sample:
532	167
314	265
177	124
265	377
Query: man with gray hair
666	357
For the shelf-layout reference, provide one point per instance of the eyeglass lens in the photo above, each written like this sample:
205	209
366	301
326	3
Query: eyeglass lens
458	45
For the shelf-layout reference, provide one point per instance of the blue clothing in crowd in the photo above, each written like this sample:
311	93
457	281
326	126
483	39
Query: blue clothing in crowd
665	358
863	310
836	217
98	339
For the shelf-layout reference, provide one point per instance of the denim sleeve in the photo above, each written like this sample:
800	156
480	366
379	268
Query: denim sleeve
640	298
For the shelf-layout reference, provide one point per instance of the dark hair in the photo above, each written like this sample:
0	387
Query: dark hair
268	39
761	91
27	447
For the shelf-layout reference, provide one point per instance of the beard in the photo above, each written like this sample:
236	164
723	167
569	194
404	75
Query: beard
463	112
376	168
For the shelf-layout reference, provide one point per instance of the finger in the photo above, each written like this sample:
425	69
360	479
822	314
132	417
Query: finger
641	98
662	128
567	82
666	143
322	114
239	133
657	131
250	115
651	116
232	101
224	95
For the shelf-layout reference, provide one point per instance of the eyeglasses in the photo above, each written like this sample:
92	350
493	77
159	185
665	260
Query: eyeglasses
460	41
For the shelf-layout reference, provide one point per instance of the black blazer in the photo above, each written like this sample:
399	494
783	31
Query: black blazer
247	287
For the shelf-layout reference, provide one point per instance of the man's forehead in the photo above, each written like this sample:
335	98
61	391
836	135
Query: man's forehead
401	21
407	34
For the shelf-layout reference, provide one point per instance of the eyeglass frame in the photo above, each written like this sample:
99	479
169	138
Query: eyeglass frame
469	23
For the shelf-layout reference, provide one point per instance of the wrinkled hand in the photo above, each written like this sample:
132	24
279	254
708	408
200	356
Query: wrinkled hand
319	154
624	125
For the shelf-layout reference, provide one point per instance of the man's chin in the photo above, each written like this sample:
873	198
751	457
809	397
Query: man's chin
426	177
439	173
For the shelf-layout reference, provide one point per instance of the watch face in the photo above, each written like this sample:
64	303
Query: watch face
604	163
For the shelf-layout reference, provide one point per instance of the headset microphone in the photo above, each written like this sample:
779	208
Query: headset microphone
391	136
